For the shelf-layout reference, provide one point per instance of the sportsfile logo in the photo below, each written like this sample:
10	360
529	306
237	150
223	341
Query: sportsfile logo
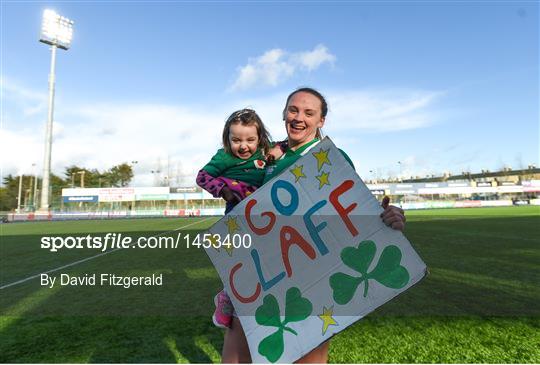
116	241
107	242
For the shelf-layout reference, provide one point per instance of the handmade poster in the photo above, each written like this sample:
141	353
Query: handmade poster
307	255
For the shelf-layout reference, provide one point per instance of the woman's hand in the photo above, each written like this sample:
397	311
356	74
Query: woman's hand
393	216
228	195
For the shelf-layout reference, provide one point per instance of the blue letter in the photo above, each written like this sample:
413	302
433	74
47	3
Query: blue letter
289	209
313	229
265	284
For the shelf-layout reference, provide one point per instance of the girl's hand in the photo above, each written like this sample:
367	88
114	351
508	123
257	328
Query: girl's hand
393	216
274	154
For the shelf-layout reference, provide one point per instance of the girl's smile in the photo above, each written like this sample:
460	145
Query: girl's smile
244	140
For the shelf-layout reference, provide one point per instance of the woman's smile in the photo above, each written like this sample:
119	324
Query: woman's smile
297	125
303	117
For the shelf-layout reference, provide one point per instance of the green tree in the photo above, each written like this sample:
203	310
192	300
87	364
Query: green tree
74	175
10	191
120	175
7	201
92	178
57	184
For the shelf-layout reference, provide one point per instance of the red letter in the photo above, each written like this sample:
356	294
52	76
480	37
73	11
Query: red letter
294	239
343	212
235	292
259	231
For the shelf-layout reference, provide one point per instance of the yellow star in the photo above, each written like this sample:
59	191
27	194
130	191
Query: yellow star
229	248
323	179
232	225
322	158
326	317
297	172
214	240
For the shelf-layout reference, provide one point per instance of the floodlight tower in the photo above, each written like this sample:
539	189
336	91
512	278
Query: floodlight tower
56	31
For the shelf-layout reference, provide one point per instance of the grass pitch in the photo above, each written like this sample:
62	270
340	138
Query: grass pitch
480	302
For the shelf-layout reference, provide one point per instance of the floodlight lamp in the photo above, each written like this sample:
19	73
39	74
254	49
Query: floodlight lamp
56	30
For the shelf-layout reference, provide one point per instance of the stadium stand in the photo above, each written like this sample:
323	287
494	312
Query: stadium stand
502	188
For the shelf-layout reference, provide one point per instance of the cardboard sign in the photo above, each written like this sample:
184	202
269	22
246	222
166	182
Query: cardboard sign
307	255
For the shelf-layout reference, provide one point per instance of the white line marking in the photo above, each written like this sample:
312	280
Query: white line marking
91	257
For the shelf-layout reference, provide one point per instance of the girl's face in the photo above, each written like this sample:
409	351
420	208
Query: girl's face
244	140
303	116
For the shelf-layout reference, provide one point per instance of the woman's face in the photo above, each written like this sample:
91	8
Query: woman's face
303	116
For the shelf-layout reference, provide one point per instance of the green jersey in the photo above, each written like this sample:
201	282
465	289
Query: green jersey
291	157
250	171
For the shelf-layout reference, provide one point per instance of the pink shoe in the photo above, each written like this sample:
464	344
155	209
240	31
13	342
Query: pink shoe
222	316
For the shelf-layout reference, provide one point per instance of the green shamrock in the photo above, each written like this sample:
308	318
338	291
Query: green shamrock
268	314
388	271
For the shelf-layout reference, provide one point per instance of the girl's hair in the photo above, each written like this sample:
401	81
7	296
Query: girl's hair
318	95
246	117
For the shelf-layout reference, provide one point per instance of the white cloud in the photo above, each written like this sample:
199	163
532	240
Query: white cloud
311	60
100	135
28	101
276	65
381	111
19	150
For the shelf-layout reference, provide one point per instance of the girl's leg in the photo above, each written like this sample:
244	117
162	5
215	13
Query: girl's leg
319	355
235	346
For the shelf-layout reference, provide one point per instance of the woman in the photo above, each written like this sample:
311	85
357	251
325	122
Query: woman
304	115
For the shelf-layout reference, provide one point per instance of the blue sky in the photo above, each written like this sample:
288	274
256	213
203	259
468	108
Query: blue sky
439	86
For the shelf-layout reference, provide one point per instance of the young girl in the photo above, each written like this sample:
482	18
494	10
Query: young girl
236	171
